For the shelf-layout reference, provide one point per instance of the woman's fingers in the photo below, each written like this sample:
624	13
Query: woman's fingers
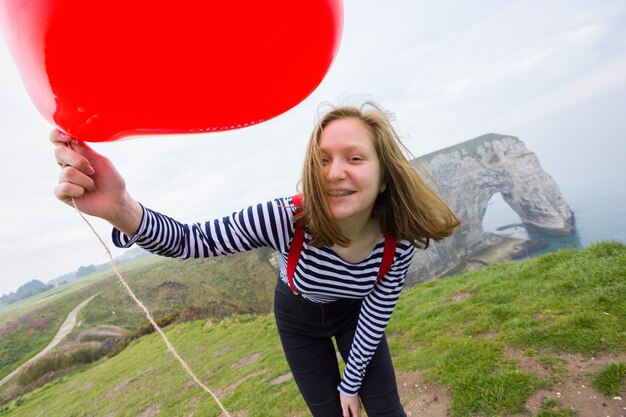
66	191
68	156
69	151
73	184
72	175
57	137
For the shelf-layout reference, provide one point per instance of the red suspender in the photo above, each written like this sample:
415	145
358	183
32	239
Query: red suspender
298	240
388	254
296	244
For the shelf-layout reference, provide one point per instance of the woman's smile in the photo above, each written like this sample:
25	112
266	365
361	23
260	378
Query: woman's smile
340	193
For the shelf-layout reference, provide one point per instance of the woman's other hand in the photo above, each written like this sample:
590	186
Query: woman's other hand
351	406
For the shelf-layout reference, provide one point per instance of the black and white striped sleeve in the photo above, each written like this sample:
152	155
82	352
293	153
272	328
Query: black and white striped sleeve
265	224
375	314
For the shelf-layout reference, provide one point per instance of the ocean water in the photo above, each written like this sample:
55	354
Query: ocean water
599	208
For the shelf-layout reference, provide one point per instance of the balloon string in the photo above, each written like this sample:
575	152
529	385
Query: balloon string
170	347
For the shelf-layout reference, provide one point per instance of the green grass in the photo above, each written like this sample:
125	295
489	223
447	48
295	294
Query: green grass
454	331
551	408
60	360
611	380
556	367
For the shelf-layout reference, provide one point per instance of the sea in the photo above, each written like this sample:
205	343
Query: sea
599	208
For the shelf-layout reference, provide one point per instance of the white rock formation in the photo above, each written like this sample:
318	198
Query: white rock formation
467	175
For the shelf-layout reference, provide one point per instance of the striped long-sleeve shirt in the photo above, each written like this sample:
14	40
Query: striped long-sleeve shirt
320	276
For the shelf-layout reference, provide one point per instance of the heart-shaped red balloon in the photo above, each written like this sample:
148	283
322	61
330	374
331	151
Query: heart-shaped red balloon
104	69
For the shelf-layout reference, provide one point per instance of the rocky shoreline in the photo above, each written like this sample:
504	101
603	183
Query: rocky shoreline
500	249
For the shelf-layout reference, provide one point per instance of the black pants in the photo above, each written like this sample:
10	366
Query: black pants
306	330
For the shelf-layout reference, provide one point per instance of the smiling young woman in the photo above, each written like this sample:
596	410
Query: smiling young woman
364	210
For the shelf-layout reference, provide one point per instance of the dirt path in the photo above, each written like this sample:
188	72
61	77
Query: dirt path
66	327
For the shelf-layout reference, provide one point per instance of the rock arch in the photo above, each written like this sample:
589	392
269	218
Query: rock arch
467	175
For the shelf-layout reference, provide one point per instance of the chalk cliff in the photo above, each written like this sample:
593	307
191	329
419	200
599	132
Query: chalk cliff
467	175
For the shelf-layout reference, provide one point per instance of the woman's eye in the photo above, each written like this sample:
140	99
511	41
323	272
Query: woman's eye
324	161
355	158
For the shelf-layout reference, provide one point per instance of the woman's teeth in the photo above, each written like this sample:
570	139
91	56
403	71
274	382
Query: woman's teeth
339	193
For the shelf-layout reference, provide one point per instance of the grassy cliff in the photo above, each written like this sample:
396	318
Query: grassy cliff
457	332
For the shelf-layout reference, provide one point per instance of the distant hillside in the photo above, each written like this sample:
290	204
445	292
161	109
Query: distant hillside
35	286
518	339
86	270
27	290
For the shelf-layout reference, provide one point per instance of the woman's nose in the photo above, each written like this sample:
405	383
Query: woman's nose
335	171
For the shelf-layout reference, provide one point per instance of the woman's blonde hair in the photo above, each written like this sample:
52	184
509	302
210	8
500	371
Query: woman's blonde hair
407	208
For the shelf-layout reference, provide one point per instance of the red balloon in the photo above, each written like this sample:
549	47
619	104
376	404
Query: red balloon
104	69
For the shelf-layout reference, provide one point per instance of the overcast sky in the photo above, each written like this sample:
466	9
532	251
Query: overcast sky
552	73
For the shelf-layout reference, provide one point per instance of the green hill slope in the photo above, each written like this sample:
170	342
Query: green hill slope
216	287
235	284
30	324
455	331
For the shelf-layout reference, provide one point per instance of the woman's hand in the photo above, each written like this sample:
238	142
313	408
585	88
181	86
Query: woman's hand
351	406
94	184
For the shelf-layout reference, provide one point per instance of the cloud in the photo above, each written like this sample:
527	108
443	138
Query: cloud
449	70
598	81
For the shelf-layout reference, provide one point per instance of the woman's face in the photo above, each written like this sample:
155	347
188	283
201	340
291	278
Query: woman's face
351	168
